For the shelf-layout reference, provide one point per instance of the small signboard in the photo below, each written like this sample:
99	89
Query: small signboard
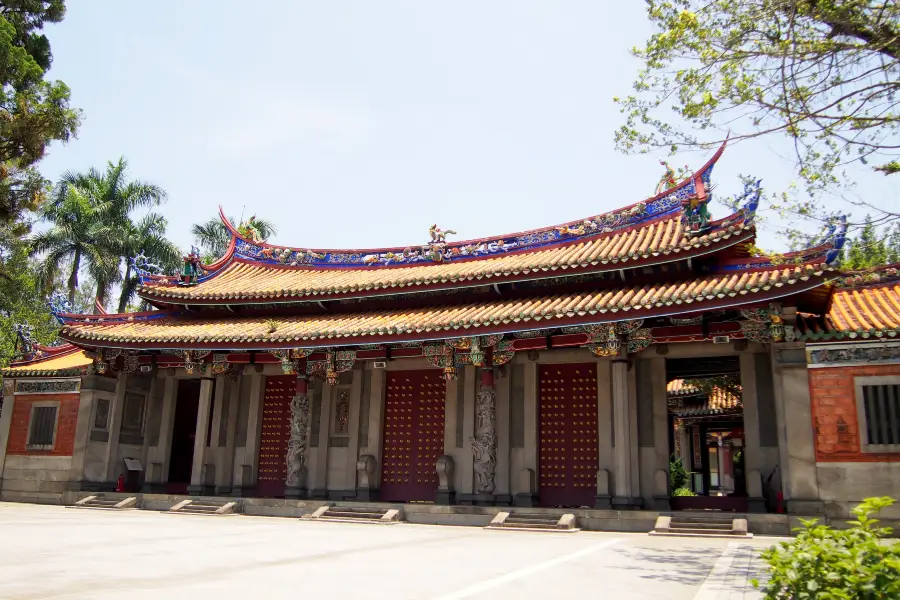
133	464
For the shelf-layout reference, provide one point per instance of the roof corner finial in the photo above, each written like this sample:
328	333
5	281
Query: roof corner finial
667	181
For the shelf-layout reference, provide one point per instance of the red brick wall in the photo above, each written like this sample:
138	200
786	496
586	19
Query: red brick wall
66	418
833	396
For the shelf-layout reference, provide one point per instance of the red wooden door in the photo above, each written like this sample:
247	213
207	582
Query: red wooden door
568	435
275	432
413	435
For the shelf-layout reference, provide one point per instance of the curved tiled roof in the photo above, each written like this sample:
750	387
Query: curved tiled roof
718	401
659	241
69	363
868	307
435	322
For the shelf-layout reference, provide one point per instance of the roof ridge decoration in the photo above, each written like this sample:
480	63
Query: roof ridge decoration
872	276
437	249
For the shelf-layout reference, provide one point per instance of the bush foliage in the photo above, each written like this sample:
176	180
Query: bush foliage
822	563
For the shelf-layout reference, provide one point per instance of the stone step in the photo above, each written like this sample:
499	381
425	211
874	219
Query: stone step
552	525
723	531
355	514
519	519
707	525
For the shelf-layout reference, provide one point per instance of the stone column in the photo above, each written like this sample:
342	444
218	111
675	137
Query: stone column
112	444
752	446
159	469
245	476
317	477
526	494
503	490
484	442
799	477
82	433
623	498
197	470
226	476
298	445
605	455
9	401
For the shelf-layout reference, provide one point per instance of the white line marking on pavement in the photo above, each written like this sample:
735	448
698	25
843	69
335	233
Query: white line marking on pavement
715	585
523	572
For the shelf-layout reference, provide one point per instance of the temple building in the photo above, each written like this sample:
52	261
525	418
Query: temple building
559	367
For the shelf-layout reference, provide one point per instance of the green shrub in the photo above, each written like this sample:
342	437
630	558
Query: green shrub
822	563
678	477
683	491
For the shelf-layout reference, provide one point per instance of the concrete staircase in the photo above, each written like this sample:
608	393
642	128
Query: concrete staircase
506	521
213	508
713	525
355	514
99	501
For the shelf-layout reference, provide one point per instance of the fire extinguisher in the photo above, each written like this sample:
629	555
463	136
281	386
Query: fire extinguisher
120	484
780	508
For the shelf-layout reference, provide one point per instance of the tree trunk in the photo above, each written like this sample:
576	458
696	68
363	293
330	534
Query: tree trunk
126	288
73	278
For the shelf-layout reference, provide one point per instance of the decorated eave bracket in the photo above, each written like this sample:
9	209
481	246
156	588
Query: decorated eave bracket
766	325
295	362
616	339
484	351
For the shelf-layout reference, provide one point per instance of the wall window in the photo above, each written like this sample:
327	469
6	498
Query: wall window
878	409
101	414
42	426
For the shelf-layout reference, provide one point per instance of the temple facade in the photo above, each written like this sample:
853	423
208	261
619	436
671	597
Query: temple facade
561	367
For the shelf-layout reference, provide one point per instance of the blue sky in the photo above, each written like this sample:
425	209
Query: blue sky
359	124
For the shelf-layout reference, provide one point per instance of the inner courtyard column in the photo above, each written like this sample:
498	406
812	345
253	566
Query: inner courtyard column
622	439
197	470
484	440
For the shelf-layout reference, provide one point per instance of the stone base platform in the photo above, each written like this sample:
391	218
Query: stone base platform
636	521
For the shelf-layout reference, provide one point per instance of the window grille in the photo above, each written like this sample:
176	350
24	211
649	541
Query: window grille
881	404
42	428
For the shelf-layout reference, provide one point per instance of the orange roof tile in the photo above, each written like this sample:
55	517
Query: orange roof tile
718	401
443	321
53	365
662	240
866	311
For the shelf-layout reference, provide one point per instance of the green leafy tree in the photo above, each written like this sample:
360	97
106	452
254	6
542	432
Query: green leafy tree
21	300
78	236
823	73
213	236
822	563
869	249
678	476
33	111
147	236
90	214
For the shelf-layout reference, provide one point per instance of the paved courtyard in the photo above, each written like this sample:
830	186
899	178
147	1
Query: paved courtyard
59	553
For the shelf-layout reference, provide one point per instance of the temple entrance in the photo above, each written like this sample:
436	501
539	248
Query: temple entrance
706	418
413	435
184	429
568	435
274	435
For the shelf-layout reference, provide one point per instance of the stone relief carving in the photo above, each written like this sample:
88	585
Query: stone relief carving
299	440
484	443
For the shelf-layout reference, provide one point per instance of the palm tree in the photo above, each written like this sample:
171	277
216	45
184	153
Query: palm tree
91	222
214	237
147	236
77	234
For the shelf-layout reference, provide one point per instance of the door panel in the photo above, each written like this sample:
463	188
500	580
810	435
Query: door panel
413	435
568	434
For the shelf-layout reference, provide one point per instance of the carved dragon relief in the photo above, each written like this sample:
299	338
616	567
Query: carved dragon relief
484	442
298	443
